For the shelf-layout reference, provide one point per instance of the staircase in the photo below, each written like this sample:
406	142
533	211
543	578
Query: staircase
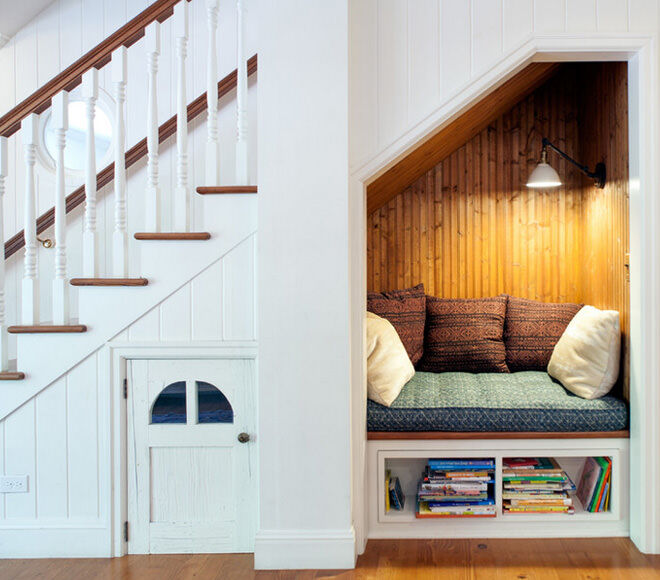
48	344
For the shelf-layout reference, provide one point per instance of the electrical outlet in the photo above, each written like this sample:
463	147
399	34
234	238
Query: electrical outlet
14	484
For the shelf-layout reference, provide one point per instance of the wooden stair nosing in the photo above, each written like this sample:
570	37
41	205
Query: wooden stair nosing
107	282
46	328
11	376
181	236
226	189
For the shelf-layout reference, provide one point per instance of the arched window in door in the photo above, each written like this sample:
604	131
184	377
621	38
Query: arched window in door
212	405
170	405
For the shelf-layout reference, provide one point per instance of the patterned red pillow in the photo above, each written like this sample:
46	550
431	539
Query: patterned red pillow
406	310
464	335
531	331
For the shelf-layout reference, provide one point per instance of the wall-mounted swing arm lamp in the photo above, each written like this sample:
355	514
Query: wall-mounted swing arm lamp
544	176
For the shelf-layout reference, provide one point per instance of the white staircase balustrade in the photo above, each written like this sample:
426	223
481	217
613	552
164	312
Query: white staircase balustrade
4	168
119	236
241	99
30	287
90	92
152	200
212	147
60	116
182	192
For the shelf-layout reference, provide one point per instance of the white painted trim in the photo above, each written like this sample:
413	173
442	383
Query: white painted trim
65	540
117	355
641	51
304	549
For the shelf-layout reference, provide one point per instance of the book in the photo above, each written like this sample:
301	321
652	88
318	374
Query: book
464	464
606	467
387	490
424	511
589	477
397	499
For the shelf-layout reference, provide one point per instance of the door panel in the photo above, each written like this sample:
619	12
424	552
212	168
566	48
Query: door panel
191	483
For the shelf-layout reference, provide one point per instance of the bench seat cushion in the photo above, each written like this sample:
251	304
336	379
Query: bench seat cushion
523	401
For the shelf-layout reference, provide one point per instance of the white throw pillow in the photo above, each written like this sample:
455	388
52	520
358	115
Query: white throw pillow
388	365
586	357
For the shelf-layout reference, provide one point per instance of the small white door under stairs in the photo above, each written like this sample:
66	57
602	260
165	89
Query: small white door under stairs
191	461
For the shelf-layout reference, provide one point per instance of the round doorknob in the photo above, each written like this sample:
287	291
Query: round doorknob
243	437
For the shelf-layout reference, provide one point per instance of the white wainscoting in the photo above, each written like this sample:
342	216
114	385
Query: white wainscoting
61	439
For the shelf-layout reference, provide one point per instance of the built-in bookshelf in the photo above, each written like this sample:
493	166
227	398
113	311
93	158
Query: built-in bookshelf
408	460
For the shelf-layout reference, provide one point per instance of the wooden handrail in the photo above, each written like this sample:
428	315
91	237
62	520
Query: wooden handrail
133	155
98	57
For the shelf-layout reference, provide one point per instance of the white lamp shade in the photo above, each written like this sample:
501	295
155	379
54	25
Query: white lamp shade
543	177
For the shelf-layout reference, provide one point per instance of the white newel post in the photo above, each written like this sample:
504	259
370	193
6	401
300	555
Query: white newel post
152	198
241	99
181	194
119	236
90	92
212	149
60	115
30	288
4	167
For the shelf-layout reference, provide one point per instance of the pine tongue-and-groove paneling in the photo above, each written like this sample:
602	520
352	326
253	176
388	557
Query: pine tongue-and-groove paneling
470	228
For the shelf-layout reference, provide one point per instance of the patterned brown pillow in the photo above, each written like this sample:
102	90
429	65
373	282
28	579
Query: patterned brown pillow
532	329
464	335
406	310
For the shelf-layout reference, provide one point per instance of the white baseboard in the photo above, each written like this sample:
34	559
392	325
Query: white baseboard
56	540
304	549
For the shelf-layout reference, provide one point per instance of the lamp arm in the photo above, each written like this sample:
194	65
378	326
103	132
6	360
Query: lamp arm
583	168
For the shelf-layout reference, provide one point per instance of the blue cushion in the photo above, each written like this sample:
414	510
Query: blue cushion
524	401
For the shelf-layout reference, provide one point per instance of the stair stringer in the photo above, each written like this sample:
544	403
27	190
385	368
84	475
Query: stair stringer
108	311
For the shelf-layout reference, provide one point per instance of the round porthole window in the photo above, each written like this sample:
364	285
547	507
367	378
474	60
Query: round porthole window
74	152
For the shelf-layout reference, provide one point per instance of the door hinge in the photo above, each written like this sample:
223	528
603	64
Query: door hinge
125	531
125	388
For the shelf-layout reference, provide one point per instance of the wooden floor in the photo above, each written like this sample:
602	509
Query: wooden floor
566	559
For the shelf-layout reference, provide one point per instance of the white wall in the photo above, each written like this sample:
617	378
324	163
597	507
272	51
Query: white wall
304	362
56	38
61	438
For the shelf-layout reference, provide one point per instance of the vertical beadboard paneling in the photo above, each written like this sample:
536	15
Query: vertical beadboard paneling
83	439
455	48
20	459
92	16
238	292
146	328
71	24
392	69
48	38
549	16
207	293
486	33
642	15
175	316
580	15
51	452
517	22
612	15
424	68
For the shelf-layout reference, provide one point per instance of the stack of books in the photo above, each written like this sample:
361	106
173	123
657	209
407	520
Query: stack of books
457	488
535	485
394	498
595	484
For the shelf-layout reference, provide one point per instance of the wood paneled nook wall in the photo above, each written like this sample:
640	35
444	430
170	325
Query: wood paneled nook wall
470	228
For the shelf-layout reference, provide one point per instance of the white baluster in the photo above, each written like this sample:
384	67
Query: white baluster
60	115
30	289
212	149
241	100
4	167
152	200
119	237
90	92
181	194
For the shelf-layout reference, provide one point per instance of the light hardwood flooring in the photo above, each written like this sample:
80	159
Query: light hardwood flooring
565	559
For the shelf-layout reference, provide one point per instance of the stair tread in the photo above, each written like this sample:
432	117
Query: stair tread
46	328
221	189
172	236
11	376
109	281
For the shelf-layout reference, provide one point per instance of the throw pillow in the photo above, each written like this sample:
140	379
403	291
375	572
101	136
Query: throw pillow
464	335
388	365
586	357
406	310
531	330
